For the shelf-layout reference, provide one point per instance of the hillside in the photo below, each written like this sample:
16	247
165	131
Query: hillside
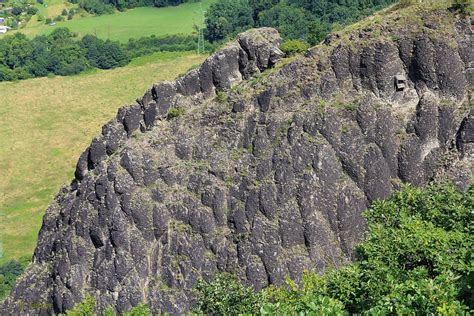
44	131
257	165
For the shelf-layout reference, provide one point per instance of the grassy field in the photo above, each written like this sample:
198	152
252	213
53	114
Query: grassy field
121	26
46	123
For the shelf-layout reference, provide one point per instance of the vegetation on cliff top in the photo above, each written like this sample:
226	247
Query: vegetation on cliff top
416	259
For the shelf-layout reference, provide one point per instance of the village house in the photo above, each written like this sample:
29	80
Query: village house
3	29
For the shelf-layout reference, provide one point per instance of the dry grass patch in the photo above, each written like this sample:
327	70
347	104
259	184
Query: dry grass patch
46	123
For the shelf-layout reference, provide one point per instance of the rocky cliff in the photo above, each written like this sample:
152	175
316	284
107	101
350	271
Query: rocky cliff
256	164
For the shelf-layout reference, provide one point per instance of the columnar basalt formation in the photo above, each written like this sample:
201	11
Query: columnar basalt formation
262	172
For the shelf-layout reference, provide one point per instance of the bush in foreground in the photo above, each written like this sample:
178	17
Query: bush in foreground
416	259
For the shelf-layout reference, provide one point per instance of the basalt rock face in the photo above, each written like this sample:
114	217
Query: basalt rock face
263	172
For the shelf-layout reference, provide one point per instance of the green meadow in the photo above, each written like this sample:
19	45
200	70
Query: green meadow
46	123
121	26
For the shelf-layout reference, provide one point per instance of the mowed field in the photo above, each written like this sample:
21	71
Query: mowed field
132	23
46	123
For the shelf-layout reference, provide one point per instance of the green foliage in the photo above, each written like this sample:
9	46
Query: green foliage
175	112
308	299
225	295
59	18
84	308
292	21
221	96
31	10
227	17
416	260
57	53
97	7
306	20
406	3
171	43
139	310
61	53
107	6
9	272
293	47
463	6
104	54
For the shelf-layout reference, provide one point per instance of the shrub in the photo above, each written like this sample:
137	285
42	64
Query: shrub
463	6
406	3
175	112
139	310
225	295
31	10
9	272
221	96
96	7
148	45
415	260
17	10
104	54
84	308
293	47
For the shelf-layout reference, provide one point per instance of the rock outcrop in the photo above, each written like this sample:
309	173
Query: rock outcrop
255	165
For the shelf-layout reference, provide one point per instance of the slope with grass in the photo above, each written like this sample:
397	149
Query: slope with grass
46	123
133	23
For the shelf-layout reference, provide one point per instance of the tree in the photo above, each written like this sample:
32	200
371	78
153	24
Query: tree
12	269
227	17
31	10
104	55
416	259
17	51
17	10
225	295
66	55
292	22
463	6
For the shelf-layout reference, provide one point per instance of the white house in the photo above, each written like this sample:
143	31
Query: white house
3	29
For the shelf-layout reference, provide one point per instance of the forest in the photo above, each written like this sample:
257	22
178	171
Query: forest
305	20
63	53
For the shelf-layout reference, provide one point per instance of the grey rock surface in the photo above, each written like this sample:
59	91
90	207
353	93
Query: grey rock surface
265	184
